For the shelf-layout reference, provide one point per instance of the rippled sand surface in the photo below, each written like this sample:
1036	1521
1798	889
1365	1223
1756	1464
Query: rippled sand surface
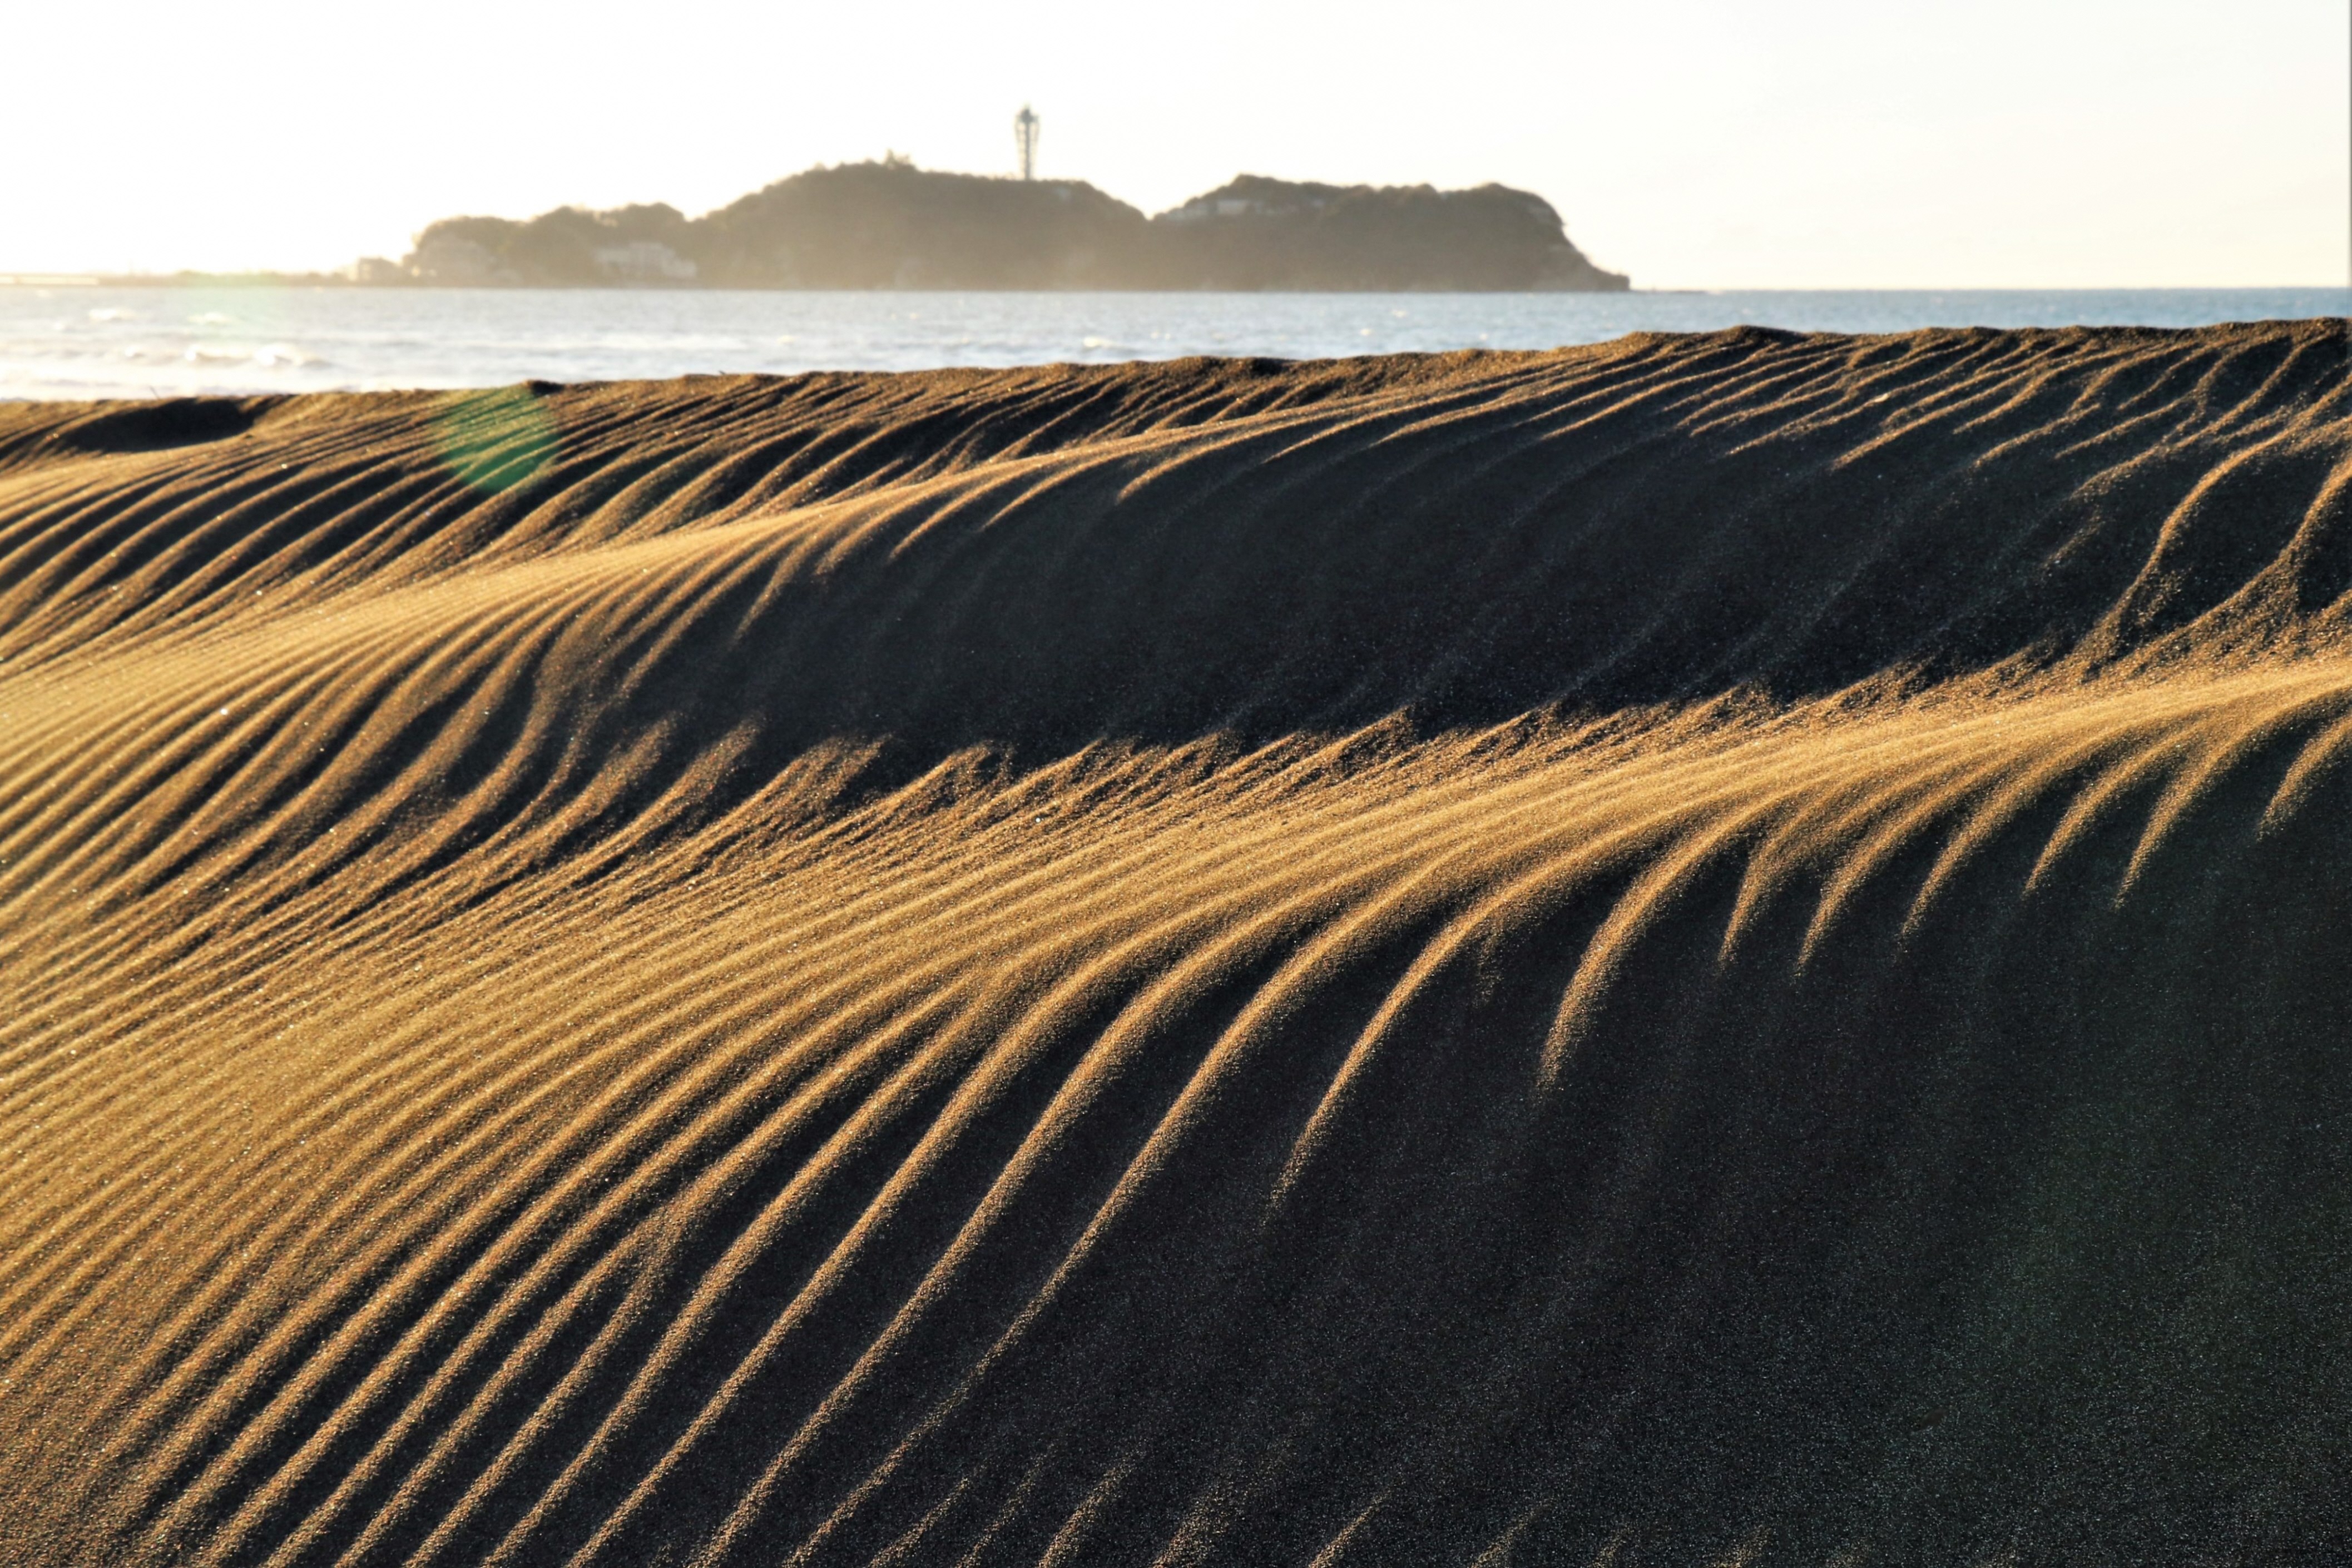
1708	948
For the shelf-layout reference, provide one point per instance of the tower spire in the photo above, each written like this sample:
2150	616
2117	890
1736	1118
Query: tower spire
1025	135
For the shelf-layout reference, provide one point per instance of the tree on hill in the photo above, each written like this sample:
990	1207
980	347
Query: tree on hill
1255	233
569	246
889	224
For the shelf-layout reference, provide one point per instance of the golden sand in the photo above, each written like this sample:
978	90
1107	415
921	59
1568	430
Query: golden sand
1701	946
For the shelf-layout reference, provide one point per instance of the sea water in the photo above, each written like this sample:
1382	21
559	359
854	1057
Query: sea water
65	341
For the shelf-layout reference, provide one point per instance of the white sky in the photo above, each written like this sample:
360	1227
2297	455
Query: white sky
1695	143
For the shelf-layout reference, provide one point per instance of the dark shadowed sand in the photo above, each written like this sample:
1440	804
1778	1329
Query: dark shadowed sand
1707	949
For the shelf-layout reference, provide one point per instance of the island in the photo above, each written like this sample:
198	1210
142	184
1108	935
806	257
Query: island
886	223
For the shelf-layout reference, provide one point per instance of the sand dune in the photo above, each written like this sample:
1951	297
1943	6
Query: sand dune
1706	949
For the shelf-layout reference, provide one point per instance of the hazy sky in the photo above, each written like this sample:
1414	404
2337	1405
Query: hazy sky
1695	143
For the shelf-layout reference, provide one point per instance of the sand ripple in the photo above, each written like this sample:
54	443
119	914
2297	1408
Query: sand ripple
1717	945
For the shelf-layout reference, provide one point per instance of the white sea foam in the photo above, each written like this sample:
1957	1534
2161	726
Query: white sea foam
362	339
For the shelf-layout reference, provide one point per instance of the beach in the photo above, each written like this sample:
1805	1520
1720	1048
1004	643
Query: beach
1702	947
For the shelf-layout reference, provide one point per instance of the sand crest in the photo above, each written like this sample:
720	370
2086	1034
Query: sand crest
1706	946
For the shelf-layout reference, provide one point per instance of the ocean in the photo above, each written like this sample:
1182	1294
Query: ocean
88	342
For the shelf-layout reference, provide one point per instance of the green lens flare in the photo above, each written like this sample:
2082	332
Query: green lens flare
497	439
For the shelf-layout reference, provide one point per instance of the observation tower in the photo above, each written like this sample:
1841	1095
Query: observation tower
1025	135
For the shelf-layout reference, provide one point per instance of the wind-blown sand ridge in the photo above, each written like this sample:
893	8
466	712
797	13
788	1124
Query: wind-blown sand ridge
1702	945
